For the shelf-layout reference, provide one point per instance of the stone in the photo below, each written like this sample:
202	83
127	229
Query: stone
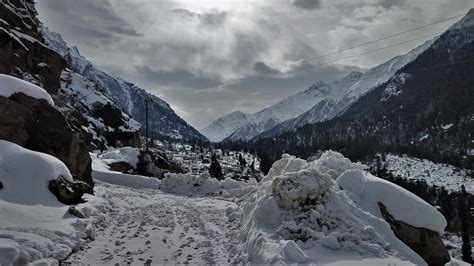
69	193
424	242
74	211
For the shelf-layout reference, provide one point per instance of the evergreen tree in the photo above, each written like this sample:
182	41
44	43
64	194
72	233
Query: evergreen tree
215	169
242	161
266	163
464	213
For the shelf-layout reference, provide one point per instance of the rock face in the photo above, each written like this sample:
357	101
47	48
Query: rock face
22	50
67	192
36	125
425	242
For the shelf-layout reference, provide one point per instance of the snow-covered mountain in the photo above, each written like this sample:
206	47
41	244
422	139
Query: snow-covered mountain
238	125
350	89
322	101
163	120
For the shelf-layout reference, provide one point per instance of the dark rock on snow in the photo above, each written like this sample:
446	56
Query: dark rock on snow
68	192
425	242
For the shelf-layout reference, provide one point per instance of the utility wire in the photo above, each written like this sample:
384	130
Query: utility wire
343	50
385	73
331	61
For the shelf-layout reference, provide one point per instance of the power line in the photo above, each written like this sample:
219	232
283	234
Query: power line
385	73
331	61
347	49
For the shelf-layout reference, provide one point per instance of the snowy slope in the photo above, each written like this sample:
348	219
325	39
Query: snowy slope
130	98
435	174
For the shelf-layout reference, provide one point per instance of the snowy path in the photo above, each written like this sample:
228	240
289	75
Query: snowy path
148	226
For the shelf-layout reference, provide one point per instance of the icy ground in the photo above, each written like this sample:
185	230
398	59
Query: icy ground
148	226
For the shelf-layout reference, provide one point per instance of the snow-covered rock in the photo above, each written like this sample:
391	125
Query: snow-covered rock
367	191
33	223
10	85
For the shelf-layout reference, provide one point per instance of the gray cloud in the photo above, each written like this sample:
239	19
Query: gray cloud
192	55
307	4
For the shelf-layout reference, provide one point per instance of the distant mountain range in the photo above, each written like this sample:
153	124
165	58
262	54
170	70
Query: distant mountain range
320	102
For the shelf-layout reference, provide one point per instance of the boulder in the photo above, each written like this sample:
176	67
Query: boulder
424	242
38	126
68	192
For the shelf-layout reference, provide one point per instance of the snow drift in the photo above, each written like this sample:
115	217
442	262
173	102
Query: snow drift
33	223
10	85
323	212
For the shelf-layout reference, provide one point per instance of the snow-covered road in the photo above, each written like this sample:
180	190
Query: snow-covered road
149	226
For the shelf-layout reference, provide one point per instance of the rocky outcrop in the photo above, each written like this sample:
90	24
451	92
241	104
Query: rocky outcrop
425	242
67	192
36	125
22	48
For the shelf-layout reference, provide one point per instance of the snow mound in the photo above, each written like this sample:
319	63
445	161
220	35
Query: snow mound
189	184
299	214
301	189
34	225
10	85
124	154
28	185
102	172
367	191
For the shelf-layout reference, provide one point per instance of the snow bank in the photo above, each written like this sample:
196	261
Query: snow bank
299	214
367	191
188	184
10	85
101	172
33	224
124	154
28	185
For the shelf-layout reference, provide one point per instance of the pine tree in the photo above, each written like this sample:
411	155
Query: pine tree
242	161
215	169
465	214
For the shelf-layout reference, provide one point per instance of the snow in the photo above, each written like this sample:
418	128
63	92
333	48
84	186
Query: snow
297	214
367	191
331	227
188	184
10	85
435	174
124	154
446	127
33	224
102	172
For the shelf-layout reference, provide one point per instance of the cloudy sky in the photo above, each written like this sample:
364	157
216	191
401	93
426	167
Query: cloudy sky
211	57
